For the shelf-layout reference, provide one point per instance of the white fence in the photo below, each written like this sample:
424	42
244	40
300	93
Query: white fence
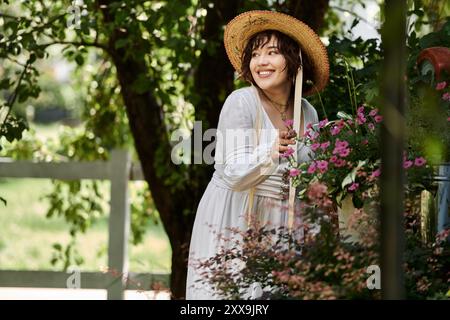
119	170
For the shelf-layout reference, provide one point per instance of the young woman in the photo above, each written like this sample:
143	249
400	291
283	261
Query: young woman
274	52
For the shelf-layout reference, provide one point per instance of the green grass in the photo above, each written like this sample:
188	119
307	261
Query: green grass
26	235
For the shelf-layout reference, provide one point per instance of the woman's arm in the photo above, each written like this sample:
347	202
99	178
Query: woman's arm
245	163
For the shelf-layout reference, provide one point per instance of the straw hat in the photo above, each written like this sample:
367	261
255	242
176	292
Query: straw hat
239	30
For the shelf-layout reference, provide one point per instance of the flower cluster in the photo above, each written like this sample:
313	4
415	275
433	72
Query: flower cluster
319	265
442	86
444	89
346	156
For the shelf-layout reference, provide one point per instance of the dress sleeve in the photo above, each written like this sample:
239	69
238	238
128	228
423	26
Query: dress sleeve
245	164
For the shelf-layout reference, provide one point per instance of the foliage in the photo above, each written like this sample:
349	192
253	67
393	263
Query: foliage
82	203
428	116
357	61
347	158
275	263
351	62
427	15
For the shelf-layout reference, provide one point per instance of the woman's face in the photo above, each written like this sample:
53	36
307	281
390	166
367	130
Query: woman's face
268	66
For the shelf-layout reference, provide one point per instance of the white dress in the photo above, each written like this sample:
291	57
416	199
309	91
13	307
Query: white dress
240	166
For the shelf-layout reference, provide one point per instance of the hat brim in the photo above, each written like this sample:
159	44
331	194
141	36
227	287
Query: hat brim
239	31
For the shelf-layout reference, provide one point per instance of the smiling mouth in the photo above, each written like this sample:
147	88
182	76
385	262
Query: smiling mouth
265	73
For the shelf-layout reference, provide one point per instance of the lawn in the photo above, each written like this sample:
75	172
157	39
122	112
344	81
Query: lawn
26	235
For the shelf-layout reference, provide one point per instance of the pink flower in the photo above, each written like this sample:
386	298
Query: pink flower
314	135
407	164
448	119
364	142
376	173
311	134
317	190
373	112
288	122
309	126
441	85
360	109
341	144
344	152
322	165
323	123
353	187
333	159
340	163
371	126
341	148
446	96
335	130
294	172
420	161
289	152
361	119
340	124
312	168
325	145
361	173
378	118
315	146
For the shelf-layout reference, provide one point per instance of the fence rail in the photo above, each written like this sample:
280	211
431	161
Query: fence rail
119	170
88	280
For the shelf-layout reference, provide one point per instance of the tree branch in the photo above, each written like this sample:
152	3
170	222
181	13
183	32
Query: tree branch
13	97
4	15
76	43
353	14
15	61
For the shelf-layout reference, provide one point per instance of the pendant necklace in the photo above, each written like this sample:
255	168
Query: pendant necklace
283	107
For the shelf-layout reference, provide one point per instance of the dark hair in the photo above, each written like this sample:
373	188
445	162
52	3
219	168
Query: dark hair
287	46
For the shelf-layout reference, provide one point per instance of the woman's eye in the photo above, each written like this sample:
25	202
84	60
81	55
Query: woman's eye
254	54
273	52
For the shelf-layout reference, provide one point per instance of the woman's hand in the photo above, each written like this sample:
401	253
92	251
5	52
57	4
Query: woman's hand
286	138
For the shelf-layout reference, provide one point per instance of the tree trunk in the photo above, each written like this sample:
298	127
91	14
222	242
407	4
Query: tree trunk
310	12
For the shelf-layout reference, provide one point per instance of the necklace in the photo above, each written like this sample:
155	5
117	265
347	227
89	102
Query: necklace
273	103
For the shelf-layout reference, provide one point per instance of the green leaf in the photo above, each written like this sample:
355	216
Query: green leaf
343	115
357	201
32	58
79	59
350	178
417	12
339	198
4	84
